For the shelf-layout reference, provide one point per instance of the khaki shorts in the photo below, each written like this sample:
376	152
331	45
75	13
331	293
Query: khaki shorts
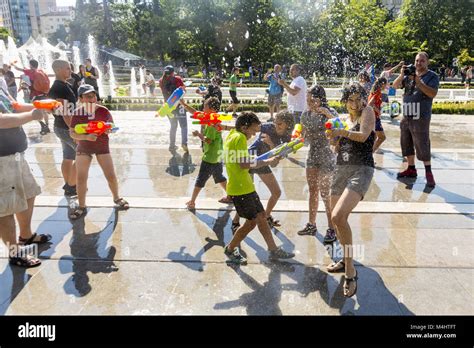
17	184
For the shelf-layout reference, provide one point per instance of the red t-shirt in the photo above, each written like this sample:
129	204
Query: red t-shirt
31	74
169	84
101	145
377	97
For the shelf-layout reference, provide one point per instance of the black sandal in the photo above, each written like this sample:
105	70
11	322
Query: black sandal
25	261
44	238
272	222
348	281
78	213
121	204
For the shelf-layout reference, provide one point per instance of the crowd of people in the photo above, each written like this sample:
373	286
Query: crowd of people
339	164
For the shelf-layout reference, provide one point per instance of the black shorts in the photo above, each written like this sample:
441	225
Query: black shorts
248	206
261	170
208	169
233	95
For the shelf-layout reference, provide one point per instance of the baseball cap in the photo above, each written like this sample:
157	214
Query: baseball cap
84	89
169	69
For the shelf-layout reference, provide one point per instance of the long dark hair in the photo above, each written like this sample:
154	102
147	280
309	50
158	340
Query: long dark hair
319	92
378	84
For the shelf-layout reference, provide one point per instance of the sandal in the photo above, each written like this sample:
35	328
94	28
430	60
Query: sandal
122	204
25	261
43	238
78	213
272	222
226	200
336	267
235	227
347	283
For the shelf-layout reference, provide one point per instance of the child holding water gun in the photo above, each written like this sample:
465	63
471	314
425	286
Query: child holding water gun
211	163
271	135
92	144
320	163
375	101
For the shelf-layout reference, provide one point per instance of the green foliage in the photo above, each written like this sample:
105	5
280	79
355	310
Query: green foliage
331	40
465	58
4	33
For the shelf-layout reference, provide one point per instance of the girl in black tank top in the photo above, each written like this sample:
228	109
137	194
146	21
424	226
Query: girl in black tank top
354	152
354	172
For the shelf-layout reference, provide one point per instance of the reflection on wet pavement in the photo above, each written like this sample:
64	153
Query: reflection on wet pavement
162	259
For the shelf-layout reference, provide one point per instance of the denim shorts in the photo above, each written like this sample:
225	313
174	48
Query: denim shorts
353	177
68	144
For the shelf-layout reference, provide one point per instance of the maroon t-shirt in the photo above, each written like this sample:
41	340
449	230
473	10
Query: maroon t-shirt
101	145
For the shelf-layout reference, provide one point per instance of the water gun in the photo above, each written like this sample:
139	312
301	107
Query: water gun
45	104
171	104
335	123
88	74
285	149
95	127
211	118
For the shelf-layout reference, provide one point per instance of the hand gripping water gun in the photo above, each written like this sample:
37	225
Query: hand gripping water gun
95	127
171	104
211	119
285	149
45	104
335	123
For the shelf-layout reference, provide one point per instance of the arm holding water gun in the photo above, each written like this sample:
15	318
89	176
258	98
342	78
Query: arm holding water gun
210	115
285	149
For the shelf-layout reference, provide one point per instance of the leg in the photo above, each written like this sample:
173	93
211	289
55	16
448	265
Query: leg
324	186
275	192
344	206
270	109
183	124
68	169
241	233
173	129
191	204
24	220
83	163
7	230
107	165
312	178
265	231
380	139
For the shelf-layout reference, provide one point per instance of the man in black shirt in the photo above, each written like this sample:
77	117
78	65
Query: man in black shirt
62	91
18	187
92	75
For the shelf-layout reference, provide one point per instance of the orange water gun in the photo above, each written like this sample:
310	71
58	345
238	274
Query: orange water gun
45	104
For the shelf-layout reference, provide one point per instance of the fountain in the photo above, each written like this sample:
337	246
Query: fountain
142	81
112	83
133	83
93	55
76	57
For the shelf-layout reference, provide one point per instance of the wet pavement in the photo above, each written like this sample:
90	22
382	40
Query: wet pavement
415	245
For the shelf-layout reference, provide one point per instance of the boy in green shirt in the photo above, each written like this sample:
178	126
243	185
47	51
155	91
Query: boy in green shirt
212	158
241	189
233	91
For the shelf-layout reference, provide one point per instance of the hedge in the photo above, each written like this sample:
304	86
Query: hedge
465	108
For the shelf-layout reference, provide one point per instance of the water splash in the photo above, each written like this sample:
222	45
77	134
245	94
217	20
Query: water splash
133	83
112	82
94	56
76	57
142	81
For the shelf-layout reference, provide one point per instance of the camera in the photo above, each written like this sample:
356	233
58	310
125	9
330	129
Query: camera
409	70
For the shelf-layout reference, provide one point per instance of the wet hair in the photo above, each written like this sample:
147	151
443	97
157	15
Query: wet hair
286	117
319	92
364	75
423	53
246	119
34	63
378	84
213	103
387	65
354	88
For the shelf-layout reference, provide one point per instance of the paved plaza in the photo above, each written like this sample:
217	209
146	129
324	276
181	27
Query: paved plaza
160	258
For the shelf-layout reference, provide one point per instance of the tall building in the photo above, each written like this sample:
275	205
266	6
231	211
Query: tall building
15	14
38	8
51	21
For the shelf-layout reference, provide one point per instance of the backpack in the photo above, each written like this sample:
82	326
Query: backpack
41	82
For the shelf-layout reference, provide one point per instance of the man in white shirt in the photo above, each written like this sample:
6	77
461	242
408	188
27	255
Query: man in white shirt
296	92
